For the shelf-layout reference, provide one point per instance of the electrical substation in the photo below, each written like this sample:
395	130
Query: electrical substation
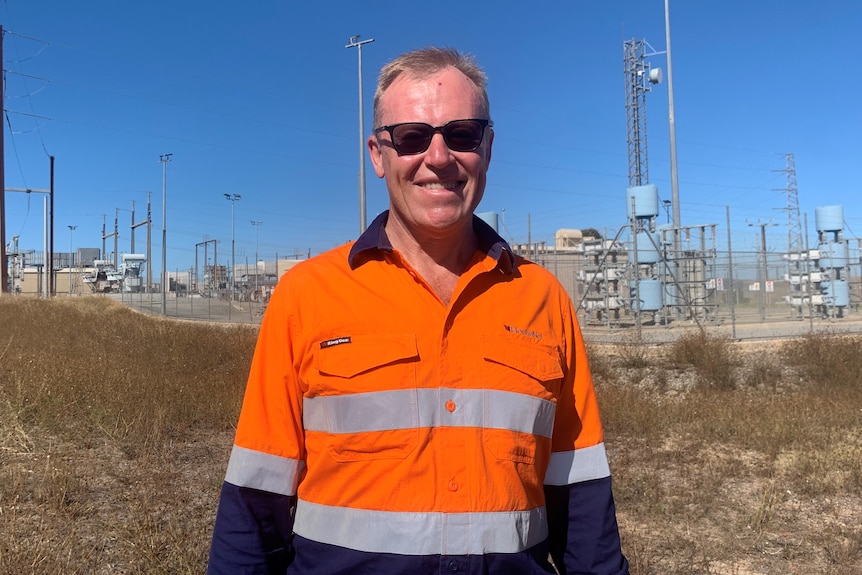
820	276
650	273
655	273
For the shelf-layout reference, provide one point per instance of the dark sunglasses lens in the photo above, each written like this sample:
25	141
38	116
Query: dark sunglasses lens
412	138
460	136
463	135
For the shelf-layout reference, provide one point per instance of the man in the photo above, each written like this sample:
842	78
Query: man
419	400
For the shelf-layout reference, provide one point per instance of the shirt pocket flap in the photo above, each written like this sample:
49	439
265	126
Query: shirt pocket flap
361	353
541	362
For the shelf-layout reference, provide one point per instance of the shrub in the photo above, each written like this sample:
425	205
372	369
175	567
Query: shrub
710	356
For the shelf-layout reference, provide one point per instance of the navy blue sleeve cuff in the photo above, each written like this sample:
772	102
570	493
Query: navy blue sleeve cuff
583	532
253	532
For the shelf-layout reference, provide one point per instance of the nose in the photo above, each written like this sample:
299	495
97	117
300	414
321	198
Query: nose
438	153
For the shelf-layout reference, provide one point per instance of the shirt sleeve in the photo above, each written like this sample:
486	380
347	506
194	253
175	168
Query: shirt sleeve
253	532
583	533
254	522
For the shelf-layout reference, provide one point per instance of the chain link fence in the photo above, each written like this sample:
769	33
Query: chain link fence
738	295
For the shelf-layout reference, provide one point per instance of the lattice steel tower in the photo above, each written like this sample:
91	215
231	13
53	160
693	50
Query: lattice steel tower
794	226
639	81
796	260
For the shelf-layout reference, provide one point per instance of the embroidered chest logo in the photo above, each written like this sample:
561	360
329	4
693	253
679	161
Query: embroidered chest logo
533	334
335	341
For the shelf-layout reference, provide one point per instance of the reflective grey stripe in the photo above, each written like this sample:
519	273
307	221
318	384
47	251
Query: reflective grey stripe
412	533
585	464
249	468
411	408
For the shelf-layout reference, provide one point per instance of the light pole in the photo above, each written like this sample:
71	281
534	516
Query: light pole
232	198
354	41
674	179
164	159
256	224
667	204
71	257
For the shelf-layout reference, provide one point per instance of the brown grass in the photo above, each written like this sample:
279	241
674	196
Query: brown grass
742	460
114	433
115	430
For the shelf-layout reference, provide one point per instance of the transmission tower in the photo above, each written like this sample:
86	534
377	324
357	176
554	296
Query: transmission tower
795	246
794	226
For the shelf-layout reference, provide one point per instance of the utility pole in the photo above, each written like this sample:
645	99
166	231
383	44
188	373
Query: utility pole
71	257
137	225
765	269
48	230
149	246
256	224
132	230
232	198
102	254
111	235
164	159
4	270
354	42
116	239
52	279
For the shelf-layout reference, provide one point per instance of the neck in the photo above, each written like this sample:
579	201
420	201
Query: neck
449	251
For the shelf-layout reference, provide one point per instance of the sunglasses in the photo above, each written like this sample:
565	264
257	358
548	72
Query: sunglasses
410	138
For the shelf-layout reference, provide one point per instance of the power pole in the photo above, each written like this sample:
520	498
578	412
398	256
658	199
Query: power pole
765	269
132	230
4	271
149	245
71	257
145	222
106	236
256	224
52	280
116	239
164	159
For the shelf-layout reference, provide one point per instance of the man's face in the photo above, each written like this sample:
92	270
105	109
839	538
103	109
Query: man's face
433	193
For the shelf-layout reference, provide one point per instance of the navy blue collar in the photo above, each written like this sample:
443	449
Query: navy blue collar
375	239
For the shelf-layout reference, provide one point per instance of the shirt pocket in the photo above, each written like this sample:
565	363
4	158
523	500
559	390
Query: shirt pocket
367	402
526	375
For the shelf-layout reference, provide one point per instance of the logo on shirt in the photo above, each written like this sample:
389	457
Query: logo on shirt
336	341
512	329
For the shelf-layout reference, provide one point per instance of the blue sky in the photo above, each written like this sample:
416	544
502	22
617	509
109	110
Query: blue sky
261	100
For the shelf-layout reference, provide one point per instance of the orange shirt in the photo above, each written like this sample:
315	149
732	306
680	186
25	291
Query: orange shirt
404	425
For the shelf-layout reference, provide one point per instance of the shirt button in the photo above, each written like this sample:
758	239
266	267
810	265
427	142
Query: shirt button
450	406
453	567
453	485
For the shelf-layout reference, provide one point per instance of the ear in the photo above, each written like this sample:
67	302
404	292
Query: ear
376	155
488	147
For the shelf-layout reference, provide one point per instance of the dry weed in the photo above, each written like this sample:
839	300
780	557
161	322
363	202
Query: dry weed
115	430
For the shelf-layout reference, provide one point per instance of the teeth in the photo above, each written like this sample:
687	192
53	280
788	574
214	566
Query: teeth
439	185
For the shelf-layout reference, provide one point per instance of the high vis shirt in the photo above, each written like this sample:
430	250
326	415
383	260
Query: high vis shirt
383	431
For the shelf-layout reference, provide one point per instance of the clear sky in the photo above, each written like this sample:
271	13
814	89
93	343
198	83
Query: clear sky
261	99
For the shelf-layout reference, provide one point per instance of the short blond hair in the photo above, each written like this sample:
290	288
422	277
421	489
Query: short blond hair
425	62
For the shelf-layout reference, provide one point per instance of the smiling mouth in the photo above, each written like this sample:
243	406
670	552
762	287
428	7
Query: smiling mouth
439	185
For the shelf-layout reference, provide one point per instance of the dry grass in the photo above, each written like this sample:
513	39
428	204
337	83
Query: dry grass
114	433
115	430
738	460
